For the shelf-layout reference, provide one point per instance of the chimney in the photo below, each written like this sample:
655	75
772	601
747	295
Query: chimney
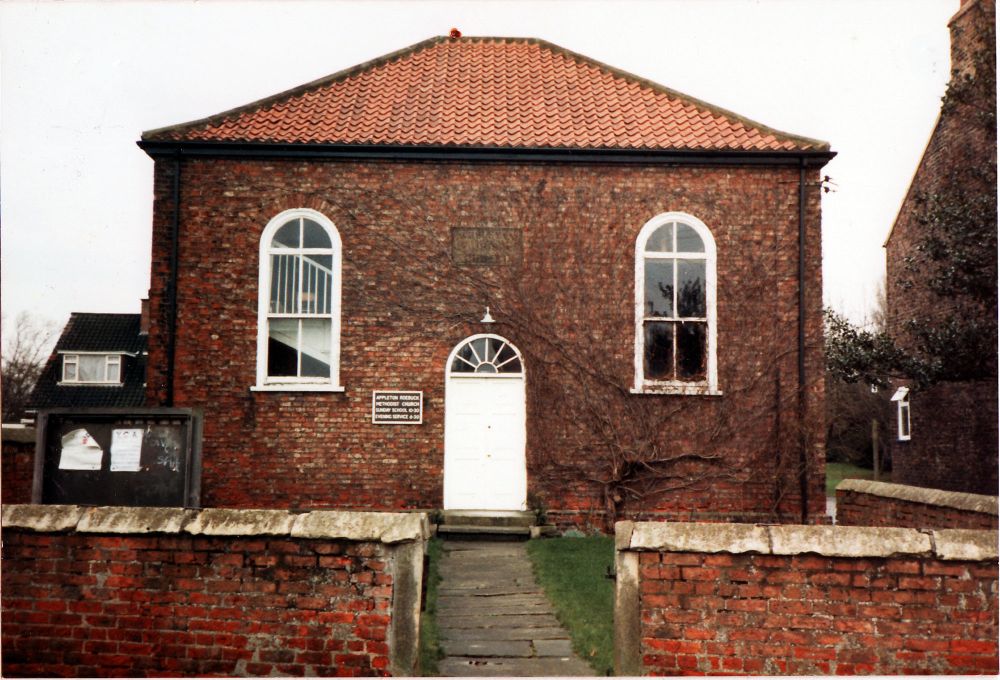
970	35
144	316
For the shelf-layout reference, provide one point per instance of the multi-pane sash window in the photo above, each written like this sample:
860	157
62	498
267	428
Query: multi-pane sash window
301	307
675	304
92	368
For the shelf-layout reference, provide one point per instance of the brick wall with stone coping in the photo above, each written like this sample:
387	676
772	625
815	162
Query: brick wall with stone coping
163	591
866	503
804	600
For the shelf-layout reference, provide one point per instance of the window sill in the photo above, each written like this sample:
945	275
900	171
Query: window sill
296	387
678	389
80	383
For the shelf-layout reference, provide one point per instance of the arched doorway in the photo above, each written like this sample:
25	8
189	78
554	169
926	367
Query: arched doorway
484	426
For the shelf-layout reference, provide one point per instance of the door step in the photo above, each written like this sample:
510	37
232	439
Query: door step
492	525
483	533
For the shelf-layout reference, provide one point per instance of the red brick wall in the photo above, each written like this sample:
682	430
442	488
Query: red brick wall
405	307
811	615
152	605
953	439
693	598
18	460
857	508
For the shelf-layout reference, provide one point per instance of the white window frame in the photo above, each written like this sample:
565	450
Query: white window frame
902	399
710	385
110	359
267	383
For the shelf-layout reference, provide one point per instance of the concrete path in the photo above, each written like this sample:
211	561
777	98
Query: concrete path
494	619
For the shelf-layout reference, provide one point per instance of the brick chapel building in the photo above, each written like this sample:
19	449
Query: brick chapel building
599	297
946	436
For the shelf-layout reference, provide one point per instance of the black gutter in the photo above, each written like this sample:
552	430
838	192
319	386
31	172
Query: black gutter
256	150
803	441
175	230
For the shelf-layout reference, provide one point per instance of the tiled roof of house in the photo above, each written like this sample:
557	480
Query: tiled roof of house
488	92
85	332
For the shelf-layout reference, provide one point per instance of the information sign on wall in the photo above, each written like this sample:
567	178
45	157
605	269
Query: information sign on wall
391	407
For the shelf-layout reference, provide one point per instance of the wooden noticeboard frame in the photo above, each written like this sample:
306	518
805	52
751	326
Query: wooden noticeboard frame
168	462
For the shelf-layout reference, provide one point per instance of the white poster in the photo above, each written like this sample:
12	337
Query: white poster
126	446
80	451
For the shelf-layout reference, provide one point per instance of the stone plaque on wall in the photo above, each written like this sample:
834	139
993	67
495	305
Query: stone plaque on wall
485	246
394	407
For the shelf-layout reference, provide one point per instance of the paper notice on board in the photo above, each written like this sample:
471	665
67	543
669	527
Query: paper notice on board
80	451
126	449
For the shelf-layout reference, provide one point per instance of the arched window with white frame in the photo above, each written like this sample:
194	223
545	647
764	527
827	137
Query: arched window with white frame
298	313
675	300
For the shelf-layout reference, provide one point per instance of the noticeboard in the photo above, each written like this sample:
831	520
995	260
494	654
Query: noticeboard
118	456
397	407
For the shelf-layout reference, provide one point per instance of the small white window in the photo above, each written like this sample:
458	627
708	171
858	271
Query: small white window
92	369
298	334
902	399
675	292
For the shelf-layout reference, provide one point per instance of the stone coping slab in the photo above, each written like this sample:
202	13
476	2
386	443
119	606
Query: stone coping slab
384	527
971	502
830	541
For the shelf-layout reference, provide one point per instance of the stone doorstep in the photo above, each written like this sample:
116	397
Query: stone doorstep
483	532
488	518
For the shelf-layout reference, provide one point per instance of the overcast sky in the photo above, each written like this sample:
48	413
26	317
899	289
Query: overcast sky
80	81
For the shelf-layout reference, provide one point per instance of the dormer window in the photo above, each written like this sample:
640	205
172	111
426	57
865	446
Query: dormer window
92	369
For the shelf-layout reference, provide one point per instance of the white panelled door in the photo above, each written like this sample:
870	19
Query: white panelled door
484	436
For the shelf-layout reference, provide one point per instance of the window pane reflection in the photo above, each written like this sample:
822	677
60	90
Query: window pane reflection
282	340
688	240
315	348
659	287
661	240
314	236
287	236
691	351
659	344
691	285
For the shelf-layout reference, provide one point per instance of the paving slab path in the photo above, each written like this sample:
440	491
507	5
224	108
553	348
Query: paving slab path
493	617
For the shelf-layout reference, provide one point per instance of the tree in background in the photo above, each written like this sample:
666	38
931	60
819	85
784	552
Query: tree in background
853	395
23	358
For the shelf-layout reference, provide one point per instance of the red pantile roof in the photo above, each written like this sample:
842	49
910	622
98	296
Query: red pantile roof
504	93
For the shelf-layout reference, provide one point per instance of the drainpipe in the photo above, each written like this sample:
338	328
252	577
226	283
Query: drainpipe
175	230
803	455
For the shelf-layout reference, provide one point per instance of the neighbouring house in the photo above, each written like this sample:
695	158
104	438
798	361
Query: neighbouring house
98	362
941	277
490	273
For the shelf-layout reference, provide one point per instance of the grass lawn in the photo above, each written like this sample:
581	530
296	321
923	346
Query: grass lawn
430	649
572	570
837	472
